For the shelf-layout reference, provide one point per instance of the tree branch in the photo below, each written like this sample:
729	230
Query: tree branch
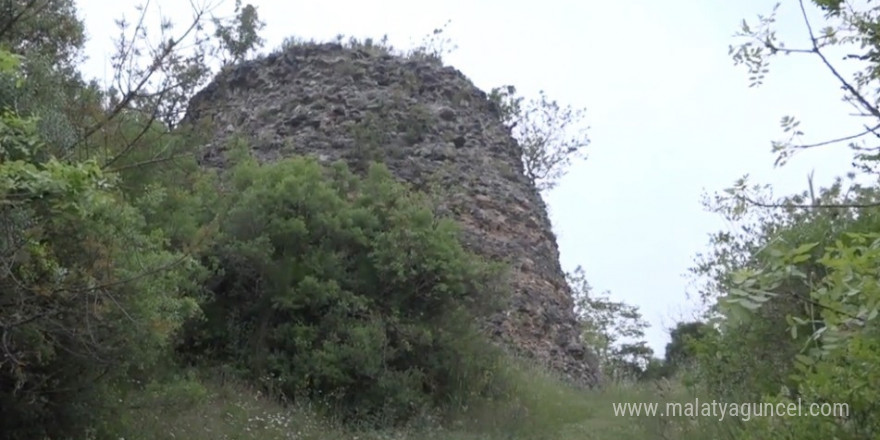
154	67
873	110
841	139
805	206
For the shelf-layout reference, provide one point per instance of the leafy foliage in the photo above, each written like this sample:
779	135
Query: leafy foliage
242	35
345	291
681	351
119	257
849	28
794	295
81	277
42	29
544	131
616	330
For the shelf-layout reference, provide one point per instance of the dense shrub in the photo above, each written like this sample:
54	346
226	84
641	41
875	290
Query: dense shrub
90	296
346	291
796	299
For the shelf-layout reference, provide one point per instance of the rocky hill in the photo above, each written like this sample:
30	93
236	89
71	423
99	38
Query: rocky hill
434	129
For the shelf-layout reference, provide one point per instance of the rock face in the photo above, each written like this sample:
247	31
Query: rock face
432	128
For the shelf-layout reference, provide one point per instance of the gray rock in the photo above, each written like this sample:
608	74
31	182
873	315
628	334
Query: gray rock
302	102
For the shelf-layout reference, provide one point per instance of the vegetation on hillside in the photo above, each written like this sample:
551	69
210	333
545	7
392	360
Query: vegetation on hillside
133	283
144	297
793	297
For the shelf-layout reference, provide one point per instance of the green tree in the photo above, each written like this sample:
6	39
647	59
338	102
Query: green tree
550	135
616	330
347	292
48	37
680	350
90	297
849	28
42	29
240	36
800	284
97	272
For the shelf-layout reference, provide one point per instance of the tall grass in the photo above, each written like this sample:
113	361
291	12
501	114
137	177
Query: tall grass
535	406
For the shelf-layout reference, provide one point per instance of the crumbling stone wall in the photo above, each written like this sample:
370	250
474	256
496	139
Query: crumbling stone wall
434	129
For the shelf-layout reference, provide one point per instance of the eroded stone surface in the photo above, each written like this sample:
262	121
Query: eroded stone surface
434	129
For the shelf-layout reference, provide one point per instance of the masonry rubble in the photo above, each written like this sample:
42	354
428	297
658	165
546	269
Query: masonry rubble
435	130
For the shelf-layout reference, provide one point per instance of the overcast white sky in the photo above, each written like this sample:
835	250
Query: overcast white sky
670	115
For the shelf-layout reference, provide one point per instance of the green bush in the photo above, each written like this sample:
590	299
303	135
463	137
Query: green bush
90	296
798	306
345	291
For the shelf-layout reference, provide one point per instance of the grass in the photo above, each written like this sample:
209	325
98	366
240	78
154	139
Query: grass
536	407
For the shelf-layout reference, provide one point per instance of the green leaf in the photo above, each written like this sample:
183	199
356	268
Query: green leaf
804	248
806	360
740	277
9	62
775	253
799	321
740	293
749	304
